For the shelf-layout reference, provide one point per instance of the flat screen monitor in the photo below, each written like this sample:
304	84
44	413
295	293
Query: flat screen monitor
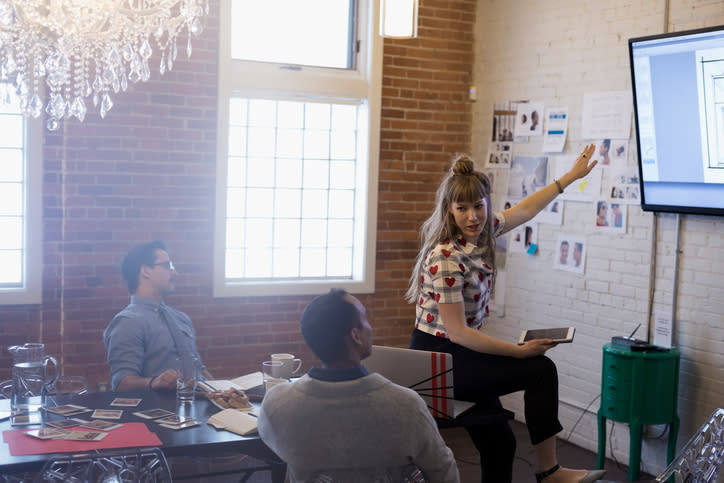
678	94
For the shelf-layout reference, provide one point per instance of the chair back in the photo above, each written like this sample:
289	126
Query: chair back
699	460
399	474
128	465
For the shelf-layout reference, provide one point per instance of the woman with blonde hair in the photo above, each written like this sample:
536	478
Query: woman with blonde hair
451	284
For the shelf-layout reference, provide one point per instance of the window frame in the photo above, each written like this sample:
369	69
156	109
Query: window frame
298	83
31	291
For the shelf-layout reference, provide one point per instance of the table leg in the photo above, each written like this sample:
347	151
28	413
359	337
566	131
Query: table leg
634	458
601	441
278	472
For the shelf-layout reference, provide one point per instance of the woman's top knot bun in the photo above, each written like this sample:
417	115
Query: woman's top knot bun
463	165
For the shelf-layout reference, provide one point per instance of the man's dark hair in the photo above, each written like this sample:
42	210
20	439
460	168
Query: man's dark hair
326	321
137	257
579	246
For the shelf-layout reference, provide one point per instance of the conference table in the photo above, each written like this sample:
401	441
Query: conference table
201	440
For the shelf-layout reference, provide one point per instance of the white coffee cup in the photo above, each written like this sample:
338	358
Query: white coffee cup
290	365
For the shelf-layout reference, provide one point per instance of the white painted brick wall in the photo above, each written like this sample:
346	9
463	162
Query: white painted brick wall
555	51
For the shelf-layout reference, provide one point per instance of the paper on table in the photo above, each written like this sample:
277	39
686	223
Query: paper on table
233	420
245	382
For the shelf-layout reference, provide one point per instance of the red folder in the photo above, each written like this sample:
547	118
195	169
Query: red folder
129	435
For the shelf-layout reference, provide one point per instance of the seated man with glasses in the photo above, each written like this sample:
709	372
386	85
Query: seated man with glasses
145	340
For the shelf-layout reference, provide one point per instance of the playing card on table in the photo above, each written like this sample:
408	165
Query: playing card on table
85	436
184	425
107	413
65	423
68	409
101	425
126	402
153	413
47	433
174	420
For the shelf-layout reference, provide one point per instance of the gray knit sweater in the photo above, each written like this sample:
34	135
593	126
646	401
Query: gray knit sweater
352	426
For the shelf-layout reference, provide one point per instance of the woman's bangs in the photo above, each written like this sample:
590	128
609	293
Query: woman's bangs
469	191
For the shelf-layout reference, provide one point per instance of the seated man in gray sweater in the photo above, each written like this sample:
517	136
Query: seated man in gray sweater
341	421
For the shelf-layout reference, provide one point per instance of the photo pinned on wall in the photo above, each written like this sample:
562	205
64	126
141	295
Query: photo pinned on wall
610	216
529	119
624	186
585	189
500	149
552	214
499	155
524	239
611	152
527	175
570	254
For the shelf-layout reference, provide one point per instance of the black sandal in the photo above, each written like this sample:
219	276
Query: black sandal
545	474
593	475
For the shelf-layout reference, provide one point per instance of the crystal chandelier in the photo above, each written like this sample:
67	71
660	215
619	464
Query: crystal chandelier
86	49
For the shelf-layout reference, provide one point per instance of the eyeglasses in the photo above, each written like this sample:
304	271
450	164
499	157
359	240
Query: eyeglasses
168	265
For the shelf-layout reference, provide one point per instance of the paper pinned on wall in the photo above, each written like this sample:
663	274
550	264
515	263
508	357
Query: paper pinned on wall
606	115
662	329
556	129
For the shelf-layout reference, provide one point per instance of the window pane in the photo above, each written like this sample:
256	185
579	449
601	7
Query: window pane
12	233
237	172
11	272
11	130
316	174
339	262
316	144
314	203
258	263
11	199
260	202
236	203
11	165
235	263
290	143
289	173
341	233
314	233
288	204
235	233
312	32
286	263
260	172
286	233
341	204
342	174
260	231
313	262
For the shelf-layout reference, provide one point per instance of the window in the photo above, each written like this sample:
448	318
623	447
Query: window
299	103
20	197
711	105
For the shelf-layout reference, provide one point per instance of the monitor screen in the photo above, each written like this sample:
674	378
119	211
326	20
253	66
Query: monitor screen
678	93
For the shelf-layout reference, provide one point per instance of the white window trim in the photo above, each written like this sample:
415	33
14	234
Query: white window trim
31	292
365	82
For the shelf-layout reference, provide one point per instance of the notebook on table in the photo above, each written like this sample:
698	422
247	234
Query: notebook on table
427	373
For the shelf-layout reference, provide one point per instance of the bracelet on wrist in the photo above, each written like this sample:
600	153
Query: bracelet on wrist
558	184
150	383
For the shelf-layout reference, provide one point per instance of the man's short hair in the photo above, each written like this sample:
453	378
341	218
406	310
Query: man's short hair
326	322
137	257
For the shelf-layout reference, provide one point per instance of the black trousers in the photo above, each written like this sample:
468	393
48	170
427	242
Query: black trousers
479	377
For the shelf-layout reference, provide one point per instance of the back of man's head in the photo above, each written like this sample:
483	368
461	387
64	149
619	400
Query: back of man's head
326	322
137	257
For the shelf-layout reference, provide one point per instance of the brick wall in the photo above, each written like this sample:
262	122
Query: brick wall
147	171
555	51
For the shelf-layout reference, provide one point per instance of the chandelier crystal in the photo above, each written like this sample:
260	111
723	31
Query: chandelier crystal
86	49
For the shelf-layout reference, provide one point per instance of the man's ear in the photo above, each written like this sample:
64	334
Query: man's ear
354	333
145	271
